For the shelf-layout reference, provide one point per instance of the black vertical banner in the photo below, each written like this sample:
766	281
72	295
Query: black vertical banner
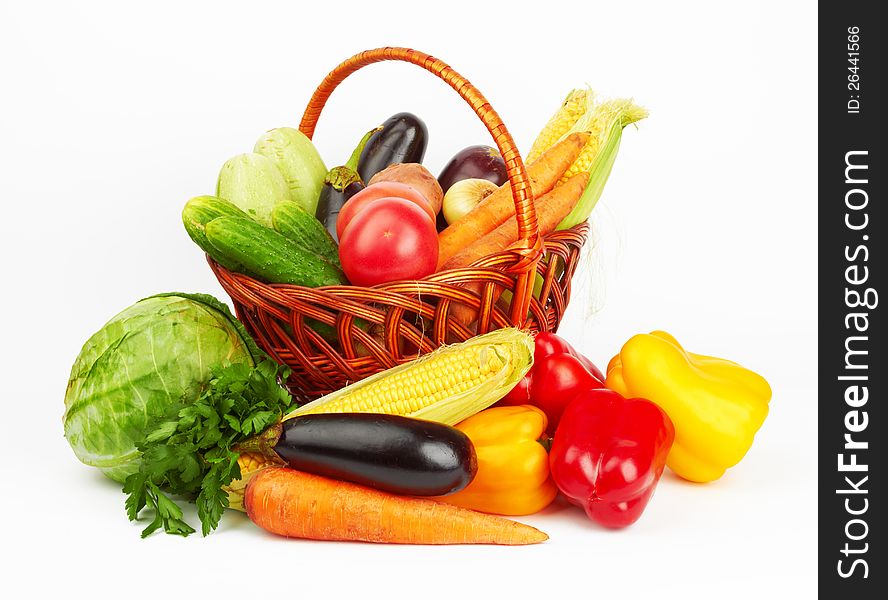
853	445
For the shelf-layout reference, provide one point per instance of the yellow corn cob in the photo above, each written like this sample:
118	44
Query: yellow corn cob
250	463
577	103
598	122
447	385
253	461
416	388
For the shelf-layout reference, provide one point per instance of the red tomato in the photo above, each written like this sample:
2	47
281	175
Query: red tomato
383	189
391	239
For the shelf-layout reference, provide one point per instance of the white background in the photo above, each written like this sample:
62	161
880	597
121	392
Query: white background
112	116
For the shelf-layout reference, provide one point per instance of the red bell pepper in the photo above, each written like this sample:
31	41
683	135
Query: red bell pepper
608	454
558	374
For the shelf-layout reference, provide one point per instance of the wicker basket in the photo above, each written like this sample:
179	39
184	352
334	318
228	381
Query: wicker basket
380	327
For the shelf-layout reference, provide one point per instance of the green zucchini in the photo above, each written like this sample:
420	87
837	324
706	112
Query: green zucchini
295	223
298	161
201	210
268	255
254	183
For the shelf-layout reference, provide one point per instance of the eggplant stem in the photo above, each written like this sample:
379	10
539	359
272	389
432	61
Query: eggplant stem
352	162
263	443
341	177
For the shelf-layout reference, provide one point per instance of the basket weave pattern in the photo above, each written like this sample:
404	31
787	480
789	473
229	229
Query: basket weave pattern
380	327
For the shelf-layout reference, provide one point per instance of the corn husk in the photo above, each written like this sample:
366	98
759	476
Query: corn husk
604	120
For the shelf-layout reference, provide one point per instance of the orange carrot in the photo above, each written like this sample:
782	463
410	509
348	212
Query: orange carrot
295	504
550	209
499	207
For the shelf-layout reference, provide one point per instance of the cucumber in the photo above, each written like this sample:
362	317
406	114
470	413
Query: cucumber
268	255
201	210
295	223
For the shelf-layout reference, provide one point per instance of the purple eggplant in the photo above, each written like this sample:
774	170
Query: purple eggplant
474	162
402	139
392	453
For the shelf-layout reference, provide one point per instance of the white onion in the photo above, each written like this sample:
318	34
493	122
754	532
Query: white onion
463	196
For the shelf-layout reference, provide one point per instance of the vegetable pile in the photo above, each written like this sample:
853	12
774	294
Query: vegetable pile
173	399
386	216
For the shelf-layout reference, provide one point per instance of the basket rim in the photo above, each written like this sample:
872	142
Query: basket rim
480	264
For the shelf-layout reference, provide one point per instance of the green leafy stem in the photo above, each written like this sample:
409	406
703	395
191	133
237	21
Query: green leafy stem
190	452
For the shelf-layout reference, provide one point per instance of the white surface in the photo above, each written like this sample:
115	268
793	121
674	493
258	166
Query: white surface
113	116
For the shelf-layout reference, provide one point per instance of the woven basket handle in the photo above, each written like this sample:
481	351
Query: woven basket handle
528	233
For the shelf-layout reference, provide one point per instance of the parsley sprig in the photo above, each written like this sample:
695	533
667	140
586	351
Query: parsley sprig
189	450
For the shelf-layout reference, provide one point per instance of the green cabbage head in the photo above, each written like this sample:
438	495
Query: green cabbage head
155	353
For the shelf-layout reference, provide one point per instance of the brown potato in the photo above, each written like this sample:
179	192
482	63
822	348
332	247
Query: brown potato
416	176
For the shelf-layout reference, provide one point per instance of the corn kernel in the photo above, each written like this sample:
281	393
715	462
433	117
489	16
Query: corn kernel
574	106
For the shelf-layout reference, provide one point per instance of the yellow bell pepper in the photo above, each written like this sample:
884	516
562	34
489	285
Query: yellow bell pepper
716	405
513	466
